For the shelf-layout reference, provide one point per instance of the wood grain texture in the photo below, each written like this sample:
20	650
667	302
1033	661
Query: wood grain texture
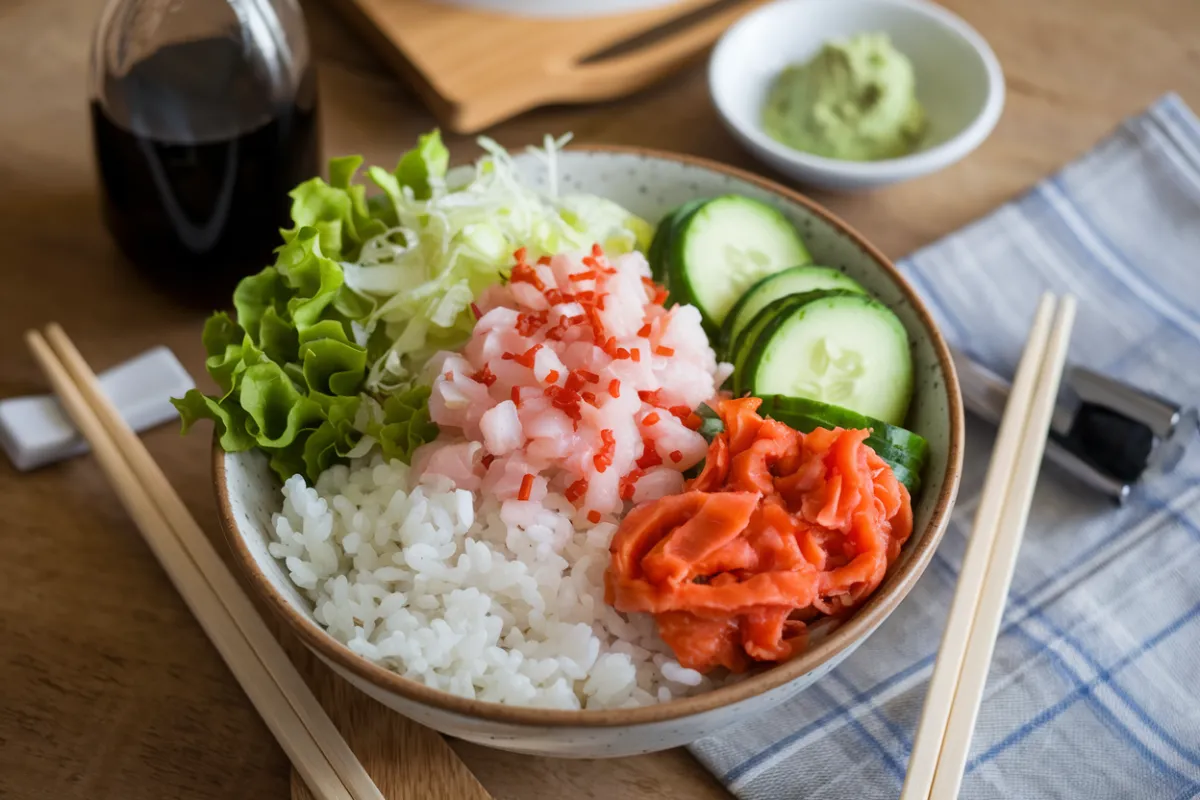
108	688
475	69
406	760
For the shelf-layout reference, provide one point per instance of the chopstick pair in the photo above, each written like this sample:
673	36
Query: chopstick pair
317	750
939	754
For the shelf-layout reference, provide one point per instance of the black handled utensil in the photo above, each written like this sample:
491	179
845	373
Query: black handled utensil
1107	434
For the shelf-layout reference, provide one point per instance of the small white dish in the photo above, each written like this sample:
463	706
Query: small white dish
959	82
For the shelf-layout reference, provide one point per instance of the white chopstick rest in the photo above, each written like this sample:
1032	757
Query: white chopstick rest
34	431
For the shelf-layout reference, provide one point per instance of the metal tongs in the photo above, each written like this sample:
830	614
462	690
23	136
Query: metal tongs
1105	433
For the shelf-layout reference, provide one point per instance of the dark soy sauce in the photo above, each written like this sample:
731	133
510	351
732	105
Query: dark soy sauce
196	154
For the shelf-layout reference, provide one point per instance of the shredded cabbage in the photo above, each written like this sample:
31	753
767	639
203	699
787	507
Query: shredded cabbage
421	275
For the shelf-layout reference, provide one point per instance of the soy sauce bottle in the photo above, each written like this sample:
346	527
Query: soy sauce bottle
203	118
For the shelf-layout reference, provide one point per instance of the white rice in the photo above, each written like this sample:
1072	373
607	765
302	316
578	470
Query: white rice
500	601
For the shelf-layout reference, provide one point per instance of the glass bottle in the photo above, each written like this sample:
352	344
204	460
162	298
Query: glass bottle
203	118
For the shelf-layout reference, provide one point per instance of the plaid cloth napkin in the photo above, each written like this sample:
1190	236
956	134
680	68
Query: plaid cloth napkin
1094	690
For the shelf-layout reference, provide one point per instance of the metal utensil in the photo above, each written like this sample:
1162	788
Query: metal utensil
1107	434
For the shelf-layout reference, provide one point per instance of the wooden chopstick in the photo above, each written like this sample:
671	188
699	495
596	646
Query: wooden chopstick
956	686
927	744
227	589
305	732
994	593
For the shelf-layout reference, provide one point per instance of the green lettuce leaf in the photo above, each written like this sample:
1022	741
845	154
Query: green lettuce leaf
711	424
228	416
278	337
255	294
219	333
331	363
223	339
323	208
277	410
313	279
429	159
363	216
342	170
332	442
289	460
338	211
390	184
406	424
350	305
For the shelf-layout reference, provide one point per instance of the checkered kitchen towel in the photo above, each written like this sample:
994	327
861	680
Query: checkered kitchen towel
1094	690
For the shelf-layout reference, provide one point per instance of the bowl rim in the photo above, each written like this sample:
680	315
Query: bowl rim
845	636
921	162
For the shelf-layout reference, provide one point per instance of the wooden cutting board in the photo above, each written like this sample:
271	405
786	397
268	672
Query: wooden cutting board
474	69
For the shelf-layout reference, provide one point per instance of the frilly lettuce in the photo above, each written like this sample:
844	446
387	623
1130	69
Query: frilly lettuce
324	360
404	423
291	370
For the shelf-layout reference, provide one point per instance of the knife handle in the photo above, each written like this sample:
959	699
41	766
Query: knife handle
985	394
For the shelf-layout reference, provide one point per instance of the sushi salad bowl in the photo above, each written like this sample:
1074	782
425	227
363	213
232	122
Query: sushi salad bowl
581	451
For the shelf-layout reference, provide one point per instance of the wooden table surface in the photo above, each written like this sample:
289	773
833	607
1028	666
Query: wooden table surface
108	688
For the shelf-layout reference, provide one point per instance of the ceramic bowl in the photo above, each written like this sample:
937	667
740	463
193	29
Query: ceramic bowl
959	82
649	184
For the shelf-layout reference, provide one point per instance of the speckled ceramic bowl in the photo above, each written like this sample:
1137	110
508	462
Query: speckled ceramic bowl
649	184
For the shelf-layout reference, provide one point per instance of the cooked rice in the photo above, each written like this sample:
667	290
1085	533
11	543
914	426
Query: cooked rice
500	601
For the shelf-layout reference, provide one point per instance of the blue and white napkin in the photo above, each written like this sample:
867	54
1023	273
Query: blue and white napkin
1094	689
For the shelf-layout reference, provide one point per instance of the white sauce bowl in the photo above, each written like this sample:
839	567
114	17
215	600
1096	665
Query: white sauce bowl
959	82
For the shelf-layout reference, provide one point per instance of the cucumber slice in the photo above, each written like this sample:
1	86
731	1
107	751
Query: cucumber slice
787	408
724	247
654	253
910	479
793	280
739	353
841	348
660	245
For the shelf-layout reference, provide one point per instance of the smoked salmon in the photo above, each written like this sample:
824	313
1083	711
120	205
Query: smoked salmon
777	527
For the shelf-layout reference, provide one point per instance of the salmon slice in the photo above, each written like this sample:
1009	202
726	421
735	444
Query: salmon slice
703	644
741	421
696	522
763	633
778	527
715	521
716	466
751	469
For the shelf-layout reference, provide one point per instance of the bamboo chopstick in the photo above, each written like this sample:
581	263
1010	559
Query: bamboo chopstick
927	745
305	732
227	589
955	689
994	593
